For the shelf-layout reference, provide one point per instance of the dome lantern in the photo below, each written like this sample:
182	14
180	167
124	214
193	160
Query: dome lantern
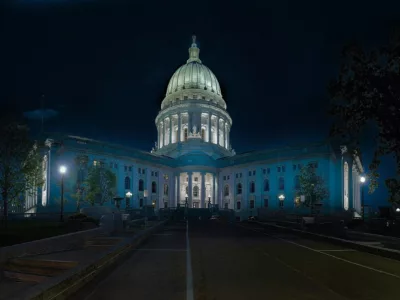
194	52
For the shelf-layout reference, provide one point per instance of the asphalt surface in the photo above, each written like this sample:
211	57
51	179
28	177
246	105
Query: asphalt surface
244	261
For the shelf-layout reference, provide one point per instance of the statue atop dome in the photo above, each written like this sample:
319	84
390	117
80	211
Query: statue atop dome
194	51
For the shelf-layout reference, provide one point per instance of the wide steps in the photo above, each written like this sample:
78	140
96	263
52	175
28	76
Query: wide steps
35	270
102	242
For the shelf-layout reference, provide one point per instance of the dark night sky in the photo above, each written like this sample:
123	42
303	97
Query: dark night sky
104	65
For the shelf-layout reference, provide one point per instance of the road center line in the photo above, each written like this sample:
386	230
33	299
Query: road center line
327	254
189	274
162	233
339	250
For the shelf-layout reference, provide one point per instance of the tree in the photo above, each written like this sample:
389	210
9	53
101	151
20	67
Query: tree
311	186
367	92
20	165
100	185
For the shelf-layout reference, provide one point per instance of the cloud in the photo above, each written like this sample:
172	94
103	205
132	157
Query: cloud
39	113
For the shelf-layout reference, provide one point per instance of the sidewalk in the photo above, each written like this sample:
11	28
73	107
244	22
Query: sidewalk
19	275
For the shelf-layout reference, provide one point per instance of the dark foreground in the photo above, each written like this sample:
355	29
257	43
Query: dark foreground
244	261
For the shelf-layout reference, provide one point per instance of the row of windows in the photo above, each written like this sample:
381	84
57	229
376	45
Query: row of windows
141	186
252	186
279	169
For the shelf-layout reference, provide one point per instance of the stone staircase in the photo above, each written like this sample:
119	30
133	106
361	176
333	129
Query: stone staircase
102	242
34	270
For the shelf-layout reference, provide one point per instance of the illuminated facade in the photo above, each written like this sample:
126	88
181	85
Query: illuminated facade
193	162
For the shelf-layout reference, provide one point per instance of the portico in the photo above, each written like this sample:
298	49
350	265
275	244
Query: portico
195	189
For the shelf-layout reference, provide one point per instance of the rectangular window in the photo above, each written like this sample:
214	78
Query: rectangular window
265	202
141	203
283	168
130	168
299	166
240	175
294	167
196	179
226	205
227	177
254	173
140	170
264	171
251	203
238	205
115	166
268	170
249	173
126	168
96	163
111	164
143	171
224	177
278	169
152	173
237	175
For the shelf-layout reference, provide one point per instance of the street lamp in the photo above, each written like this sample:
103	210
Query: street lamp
281	197
363	179
63	170
128	195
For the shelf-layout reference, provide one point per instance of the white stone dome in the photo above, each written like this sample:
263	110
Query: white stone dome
193	75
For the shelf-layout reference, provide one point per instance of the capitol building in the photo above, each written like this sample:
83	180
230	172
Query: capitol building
193	163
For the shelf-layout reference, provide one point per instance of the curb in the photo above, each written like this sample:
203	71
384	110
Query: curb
68	283
385	252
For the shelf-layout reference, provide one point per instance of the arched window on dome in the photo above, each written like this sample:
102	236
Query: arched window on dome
185	134
196	191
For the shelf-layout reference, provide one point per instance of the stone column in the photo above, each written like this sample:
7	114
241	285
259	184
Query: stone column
209	128
350	184
179	128
165	132
170	129
158	135
190	192
178	189
148	185
217	130
214	190
203	190
223	124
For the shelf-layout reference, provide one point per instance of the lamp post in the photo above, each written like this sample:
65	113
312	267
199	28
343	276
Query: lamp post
362	181
281	198
63	170
128	195
145	194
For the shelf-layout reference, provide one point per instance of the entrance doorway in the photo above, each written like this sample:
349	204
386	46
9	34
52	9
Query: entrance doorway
196	204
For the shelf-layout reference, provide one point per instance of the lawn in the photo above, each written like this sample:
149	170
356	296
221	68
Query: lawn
22	231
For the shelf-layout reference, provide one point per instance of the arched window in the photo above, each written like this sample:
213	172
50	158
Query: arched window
239	189
154	187
252	187
281	184
195	191
185	134
141	185
226	190
346	186
166	189
297	182
127	183
203	134
266	185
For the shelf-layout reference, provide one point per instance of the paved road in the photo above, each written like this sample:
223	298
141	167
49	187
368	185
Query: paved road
244	261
